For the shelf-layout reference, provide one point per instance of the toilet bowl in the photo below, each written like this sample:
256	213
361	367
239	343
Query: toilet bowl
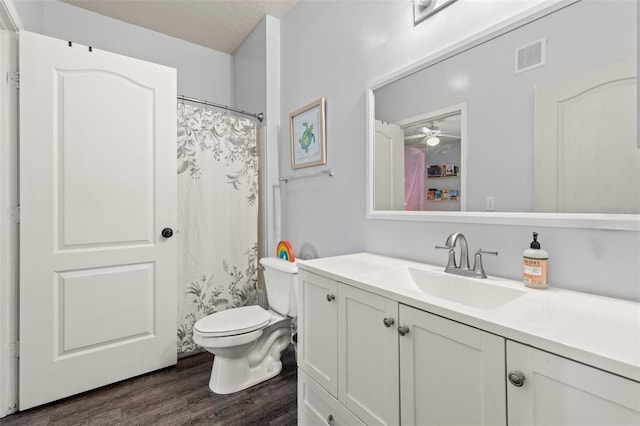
247	342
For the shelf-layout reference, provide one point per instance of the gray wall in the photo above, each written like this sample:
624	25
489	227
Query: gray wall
202	73
336	50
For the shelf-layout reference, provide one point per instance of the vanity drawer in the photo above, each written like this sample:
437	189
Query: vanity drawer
317	407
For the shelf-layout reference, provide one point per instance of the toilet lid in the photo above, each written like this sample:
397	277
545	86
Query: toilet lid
233	321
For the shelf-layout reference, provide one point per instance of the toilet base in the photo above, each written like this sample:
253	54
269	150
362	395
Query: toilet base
224	374
231	374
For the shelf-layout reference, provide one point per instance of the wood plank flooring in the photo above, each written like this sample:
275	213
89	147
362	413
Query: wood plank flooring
177	395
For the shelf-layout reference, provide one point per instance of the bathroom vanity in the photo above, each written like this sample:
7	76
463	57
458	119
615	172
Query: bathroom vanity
384	341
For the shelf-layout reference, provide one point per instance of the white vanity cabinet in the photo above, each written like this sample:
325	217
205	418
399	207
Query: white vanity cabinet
372	350
395	364
546	389
347	356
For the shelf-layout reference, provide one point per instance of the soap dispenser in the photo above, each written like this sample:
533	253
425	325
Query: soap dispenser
534	262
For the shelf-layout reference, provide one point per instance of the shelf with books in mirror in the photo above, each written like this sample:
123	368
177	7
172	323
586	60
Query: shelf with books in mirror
441	177
444	194
442	171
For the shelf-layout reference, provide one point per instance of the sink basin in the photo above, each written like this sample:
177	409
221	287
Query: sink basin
482	294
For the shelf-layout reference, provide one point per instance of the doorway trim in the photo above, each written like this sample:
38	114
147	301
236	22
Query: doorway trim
10	25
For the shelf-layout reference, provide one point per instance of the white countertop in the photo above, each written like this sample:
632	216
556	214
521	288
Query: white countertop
599	331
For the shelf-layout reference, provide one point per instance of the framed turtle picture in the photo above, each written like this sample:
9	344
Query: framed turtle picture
307	130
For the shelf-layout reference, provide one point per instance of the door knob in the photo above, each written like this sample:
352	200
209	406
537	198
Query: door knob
167	232
388	322
516	378
403	330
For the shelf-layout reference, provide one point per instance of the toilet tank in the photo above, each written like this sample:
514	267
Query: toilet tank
281	281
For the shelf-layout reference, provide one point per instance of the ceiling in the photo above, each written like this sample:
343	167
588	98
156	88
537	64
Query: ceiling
218	24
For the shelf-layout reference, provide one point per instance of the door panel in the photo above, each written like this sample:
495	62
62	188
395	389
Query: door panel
125	312
94	148
97	186
388	183
586	156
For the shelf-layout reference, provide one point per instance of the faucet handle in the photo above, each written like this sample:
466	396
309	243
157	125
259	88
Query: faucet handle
477	262
451	262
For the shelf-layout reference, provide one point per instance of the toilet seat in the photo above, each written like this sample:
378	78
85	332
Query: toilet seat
233	321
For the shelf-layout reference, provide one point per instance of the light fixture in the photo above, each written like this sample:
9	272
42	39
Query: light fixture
422	9
433	141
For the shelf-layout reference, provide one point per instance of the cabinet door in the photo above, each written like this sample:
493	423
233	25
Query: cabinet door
450	373
368	355
558	391
317	330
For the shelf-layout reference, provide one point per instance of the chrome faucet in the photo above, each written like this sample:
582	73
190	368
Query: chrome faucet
463	269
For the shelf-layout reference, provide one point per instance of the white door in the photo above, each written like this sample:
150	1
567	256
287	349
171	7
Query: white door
368	380
557	391
317	326
97	187
388	156
586	153
450	373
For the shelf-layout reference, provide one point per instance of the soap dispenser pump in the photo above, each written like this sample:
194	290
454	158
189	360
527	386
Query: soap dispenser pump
534	262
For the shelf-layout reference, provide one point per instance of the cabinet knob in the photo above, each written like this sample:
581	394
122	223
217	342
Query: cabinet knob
331	297
516	378
330	421
388	322
403	330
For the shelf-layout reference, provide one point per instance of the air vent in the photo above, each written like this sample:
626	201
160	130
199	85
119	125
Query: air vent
531	56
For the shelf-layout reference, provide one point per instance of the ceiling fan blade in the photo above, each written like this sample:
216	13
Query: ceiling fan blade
414	137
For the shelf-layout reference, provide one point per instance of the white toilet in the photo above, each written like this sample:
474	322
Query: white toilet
247	341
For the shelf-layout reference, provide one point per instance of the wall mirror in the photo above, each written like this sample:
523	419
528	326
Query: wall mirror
547	129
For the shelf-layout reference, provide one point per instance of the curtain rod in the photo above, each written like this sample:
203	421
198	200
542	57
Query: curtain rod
259	116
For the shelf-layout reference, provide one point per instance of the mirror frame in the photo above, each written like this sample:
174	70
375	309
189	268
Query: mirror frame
622	222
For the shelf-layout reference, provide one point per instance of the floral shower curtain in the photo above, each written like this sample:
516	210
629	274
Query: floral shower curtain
217	216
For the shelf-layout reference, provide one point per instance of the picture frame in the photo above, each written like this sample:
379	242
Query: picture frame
307	135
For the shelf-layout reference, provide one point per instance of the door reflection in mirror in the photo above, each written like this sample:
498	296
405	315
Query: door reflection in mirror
418	162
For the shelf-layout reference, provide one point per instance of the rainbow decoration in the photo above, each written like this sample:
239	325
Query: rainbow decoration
285	251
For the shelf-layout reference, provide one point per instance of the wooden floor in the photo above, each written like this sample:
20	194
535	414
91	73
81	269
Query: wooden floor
176	395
